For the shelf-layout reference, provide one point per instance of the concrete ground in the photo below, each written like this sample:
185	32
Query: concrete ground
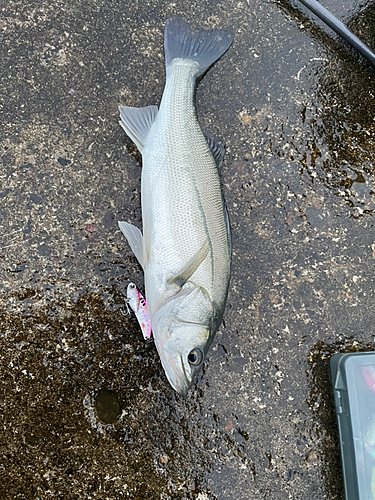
85	408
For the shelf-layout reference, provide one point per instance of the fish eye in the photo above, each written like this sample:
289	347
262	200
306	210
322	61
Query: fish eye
131	286
195	357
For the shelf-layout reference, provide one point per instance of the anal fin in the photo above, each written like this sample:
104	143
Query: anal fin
137	123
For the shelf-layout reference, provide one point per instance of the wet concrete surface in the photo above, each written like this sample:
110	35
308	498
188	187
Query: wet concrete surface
86	411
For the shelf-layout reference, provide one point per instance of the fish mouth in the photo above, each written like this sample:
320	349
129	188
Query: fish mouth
177	376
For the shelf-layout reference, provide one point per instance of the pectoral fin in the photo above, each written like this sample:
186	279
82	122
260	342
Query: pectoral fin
135	240
190	267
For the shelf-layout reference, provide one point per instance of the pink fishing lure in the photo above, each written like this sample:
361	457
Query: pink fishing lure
138	304
368	373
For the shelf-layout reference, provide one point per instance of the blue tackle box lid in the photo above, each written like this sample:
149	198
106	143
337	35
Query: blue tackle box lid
353	380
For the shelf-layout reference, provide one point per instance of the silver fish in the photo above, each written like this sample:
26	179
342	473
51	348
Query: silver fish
185	247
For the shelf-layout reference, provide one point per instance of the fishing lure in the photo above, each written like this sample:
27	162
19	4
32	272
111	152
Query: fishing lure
138	304
368	373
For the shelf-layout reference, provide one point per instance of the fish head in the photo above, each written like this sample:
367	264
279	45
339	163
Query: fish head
182	348
183	334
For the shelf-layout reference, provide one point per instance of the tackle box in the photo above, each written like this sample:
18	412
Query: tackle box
353	380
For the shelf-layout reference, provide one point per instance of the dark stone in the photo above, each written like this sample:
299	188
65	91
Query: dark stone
36	199
107	406
64	161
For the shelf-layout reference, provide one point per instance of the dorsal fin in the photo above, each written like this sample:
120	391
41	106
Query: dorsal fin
227	223
217	149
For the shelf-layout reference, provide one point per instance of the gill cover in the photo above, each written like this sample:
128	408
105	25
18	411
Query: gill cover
183	334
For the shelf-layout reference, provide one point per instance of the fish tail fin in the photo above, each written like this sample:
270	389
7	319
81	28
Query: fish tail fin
203	47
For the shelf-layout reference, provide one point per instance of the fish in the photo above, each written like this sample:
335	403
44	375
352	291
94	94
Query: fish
136	301
185	246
